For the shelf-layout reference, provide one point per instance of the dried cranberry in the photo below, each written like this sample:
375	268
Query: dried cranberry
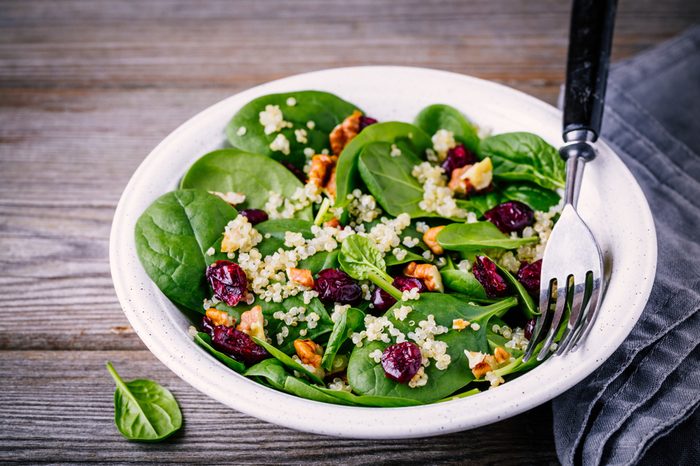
335	286
511	216
254	216
228	281
530	328
365	121
238	345
458	157
529	276
486	273
296	171
381	300
207	326
401	361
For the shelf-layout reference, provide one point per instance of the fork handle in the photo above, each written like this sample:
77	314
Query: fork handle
590	39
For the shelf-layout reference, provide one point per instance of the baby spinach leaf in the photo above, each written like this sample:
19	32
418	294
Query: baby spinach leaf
361	259
251	174
367	377
270	369
287	361
536	197
478	236
410	256
204	340
303	389
347	172
390	181
276	229
461	281
479	204
526	303
524	157
370	400
172	237
348	322
323	109
144	410
440	116
319	261
473	391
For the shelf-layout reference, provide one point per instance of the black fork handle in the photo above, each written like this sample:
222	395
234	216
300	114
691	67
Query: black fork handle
590	40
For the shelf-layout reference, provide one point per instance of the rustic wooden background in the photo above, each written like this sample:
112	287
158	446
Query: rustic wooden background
87	88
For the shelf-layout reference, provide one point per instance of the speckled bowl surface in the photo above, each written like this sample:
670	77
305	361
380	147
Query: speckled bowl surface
611	203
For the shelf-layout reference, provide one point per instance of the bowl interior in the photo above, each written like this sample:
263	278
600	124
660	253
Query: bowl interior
611	203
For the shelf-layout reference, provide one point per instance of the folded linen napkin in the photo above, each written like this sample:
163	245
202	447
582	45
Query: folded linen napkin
641	406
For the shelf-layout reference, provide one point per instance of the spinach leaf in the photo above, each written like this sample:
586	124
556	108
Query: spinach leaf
324	109
287	361
440	116
251	174
524	157
370	400
172	237
303	389
367	377
473	391
461	281
389	179
361	259
536	197
478	236
270	369
479	204
204	340
347	174
319	261
348	322
526	303
144	410
276	229
410	256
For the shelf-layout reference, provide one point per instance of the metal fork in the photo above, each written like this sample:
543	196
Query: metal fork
572	267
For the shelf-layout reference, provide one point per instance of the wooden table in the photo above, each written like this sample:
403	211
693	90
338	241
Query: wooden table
88	88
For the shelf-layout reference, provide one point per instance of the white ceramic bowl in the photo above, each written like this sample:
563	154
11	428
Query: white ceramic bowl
611	202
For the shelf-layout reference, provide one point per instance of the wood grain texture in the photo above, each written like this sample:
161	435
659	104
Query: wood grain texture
88	88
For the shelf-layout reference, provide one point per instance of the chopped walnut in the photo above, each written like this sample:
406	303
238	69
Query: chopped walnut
330	186
321	167
301	276
334	223
309	352
501	355
426	272
345	131
219	317
253	323
430	239
479	175
457	184
486	365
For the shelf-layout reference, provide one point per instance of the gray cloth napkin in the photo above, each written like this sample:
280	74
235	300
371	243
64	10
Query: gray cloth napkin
641	406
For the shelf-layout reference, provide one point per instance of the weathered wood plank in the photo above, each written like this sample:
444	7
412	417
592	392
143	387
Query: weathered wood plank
57	406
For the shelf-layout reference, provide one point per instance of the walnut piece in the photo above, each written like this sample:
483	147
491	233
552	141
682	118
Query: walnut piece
253	323
219	317
430	239
344	132
309	352
301	276
426	272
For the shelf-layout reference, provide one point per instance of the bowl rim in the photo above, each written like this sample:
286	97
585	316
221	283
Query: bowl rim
308	415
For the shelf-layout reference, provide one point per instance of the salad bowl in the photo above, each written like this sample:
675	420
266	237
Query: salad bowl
611	203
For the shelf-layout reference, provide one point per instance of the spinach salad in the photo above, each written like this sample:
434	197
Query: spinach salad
350	261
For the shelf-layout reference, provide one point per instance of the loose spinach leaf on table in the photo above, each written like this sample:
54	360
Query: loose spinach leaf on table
347	172
440	116
361	259
325	110
389	178
524	157
172	237
478	236
367	377
144	410
348	322
251	174
461	281
204	340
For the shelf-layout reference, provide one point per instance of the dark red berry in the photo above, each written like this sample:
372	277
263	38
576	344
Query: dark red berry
401	361
530	328
381	300
296	171
529	276
208	326
335	286
365	121
511	216
238	345
254	216
486	273
228	281
458	157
